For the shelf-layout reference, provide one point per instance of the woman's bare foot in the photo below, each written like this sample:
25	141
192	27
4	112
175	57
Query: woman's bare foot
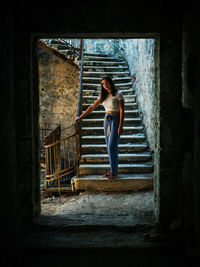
112	176
106	175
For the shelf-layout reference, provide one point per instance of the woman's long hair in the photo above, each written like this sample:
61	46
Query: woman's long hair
103	92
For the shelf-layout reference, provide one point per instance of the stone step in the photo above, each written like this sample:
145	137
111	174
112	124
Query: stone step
94	54
85	169
124	139
91	99
135	162
123	158
55	42
98	85
60	46
124	183
101	58
101	113
105	63
122	148
99	122
93	92
105	68
115	79
100	130
128	106
105	73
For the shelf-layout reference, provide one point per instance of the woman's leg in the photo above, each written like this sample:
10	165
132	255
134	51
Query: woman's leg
112	141
106	126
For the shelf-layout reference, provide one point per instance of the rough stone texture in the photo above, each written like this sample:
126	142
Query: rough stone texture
157	133
59	82
124	183
104	46
101	229
99	209
117	214
140	56
171	138
191	126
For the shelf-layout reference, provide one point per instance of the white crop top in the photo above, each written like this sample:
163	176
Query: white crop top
111	102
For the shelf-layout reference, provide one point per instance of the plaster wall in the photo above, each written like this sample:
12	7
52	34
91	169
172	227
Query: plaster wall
58	90
139	54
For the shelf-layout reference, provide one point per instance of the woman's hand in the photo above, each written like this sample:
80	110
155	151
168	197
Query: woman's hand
120	130
77	119
88	110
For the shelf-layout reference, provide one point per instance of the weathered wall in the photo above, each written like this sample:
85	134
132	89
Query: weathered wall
20	185
104	46
139	54
9	166
58	89
157	133
191	126
171	138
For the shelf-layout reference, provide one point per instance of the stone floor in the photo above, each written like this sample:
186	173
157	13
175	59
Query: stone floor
107	218
101	229
100	209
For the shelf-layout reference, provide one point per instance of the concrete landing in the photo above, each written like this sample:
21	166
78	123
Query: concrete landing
94	220
100	230
124	183
94	210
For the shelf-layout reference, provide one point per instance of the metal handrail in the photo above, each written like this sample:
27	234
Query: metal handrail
79	109
45	130
74	51
62	158
73	125
59	141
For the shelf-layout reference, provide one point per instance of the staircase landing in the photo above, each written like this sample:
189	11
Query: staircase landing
123	183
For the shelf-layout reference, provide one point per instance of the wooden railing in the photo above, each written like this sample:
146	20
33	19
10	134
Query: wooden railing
62	158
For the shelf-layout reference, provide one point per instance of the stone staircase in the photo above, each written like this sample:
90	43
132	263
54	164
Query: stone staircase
135	161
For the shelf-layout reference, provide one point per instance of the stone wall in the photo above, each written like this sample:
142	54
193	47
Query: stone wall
191	126
104	46
140	56
58	88
171	136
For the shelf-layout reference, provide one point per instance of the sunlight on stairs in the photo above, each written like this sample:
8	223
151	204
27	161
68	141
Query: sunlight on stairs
135	161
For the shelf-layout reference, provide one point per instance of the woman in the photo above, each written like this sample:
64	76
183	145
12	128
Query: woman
113	103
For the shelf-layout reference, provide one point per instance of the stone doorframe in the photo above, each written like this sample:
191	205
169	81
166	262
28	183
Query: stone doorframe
168	117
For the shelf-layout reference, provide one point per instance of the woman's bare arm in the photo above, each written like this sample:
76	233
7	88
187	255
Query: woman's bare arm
121	121
89	109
